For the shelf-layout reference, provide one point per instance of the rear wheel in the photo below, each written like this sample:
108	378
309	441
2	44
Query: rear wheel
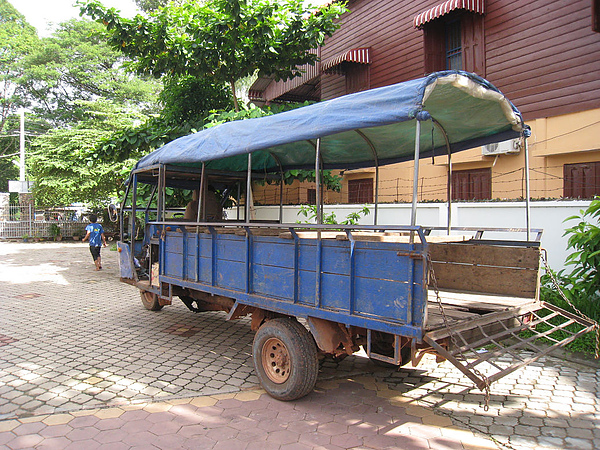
285	359
150	301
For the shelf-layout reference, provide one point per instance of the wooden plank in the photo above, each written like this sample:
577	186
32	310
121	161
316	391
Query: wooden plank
487	255
562	86
398	237
528	29
477	302
575	60
504	65
494	280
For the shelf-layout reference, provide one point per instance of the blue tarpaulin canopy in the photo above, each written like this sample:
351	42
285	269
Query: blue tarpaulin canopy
355	129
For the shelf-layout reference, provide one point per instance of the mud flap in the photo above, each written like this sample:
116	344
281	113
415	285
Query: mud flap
479	348
126	270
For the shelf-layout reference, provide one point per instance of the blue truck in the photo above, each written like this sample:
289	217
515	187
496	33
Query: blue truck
397	291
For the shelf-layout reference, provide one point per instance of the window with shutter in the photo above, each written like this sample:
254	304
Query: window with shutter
581	180
472	184
357	78
360	191
455	41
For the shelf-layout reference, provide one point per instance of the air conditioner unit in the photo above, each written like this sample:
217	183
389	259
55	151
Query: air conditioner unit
501	148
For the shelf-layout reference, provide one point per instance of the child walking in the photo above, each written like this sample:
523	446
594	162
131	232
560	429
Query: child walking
95	233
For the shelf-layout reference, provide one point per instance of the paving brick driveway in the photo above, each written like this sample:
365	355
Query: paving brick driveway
77	343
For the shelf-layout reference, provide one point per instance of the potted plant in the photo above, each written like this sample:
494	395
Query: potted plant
55	232
77	233
25	238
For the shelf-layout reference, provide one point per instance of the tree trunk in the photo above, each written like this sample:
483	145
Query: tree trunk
235	101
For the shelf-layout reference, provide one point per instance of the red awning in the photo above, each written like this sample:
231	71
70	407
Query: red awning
476	6
356	55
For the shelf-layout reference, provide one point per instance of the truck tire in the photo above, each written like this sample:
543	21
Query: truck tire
285	359
150	301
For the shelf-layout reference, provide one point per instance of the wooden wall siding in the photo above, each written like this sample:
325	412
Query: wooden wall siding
310	72
543	54
386	27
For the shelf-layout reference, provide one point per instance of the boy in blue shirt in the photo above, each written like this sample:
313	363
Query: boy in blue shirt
95	233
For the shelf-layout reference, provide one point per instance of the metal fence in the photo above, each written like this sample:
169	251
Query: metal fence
27	222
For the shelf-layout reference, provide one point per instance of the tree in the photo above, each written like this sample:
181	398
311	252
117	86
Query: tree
188	99
76	63
224	40
150	5
17	39
185	101
66	166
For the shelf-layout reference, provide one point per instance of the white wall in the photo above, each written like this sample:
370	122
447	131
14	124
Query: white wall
548	215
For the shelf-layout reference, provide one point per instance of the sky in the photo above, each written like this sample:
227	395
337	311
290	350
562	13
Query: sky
43	13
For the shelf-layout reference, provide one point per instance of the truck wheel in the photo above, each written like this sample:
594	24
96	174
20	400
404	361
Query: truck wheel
150	301
285	359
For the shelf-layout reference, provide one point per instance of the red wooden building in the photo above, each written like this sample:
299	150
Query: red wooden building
543	54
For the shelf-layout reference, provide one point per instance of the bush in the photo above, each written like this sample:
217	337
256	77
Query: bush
581	287
54	230
310	212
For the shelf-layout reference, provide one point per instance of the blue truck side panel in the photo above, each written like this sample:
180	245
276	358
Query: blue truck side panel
380	285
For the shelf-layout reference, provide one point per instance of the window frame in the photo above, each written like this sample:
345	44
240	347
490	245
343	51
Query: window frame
472	42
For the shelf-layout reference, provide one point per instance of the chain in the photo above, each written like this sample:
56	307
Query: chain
433	280
556	284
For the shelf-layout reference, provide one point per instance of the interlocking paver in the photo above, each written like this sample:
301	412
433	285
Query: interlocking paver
96	348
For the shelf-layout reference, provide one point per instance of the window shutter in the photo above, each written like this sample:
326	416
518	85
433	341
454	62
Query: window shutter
473	43
357	78
360	191
472	184
581	180
434	41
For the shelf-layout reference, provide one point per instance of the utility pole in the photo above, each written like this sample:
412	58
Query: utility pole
22	147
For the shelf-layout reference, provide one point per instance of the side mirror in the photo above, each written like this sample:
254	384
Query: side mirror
112	213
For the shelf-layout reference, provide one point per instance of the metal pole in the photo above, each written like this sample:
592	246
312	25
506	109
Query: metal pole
248	189
376	193
22	148
133	214
160	206
449	190
449	181
122	211
527	194
280	187
237	199
200	213
376	160
318	182
413	217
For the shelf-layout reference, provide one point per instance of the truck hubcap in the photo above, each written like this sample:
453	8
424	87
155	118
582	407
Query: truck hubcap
276	360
